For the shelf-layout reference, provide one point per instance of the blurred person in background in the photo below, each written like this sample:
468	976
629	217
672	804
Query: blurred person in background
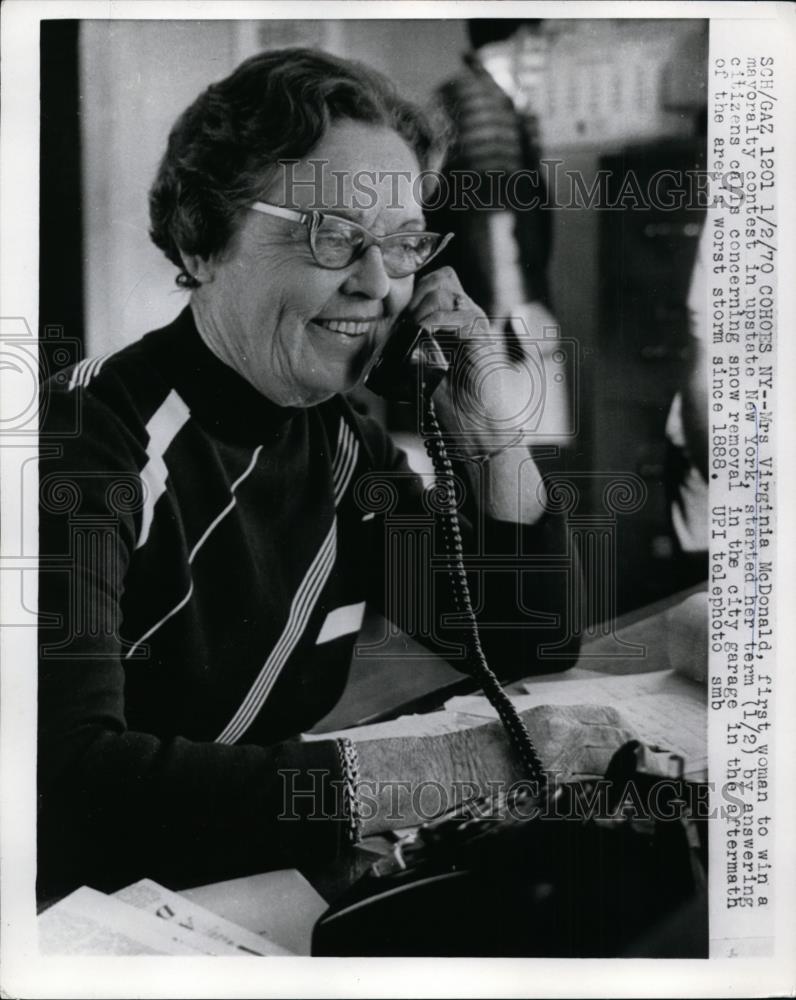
687	434
494	198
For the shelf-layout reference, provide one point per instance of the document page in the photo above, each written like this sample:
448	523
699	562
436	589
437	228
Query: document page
225	937
280	906
88	922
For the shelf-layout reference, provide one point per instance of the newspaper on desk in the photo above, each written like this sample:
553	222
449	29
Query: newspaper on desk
218	934
144	919
87	922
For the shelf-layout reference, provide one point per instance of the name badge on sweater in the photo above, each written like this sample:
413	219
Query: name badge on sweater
341	621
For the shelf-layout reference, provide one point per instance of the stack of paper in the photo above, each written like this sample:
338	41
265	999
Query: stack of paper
88	922
144	919
281	905
220	936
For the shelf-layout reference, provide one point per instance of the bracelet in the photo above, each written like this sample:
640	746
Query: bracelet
349	765
488	455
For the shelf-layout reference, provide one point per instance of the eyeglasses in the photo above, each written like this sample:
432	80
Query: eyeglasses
336	243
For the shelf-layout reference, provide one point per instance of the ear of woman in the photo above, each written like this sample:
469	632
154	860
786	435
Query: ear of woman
199	268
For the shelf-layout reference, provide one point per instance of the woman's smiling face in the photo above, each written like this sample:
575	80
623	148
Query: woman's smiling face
296	331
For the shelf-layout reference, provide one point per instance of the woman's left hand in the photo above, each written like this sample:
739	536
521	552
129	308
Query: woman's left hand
487	395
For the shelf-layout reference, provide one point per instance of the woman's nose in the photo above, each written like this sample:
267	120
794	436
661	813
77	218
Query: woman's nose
369	276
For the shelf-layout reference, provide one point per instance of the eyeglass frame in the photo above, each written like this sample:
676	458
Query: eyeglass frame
313	219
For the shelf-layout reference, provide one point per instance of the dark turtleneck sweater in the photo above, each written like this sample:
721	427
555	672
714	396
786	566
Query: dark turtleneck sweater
206	559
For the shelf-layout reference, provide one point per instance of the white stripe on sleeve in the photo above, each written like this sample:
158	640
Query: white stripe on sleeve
163	427
205	535
303	603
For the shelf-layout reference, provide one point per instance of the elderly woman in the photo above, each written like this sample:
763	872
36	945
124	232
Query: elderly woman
216	505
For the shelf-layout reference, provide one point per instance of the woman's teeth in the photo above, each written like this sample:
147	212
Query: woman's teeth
348	327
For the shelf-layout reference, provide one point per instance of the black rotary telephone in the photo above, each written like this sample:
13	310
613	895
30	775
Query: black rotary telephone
537	872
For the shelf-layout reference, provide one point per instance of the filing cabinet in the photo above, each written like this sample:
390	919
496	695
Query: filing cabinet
624	300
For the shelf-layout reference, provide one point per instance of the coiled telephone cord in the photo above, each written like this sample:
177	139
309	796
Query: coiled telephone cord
476	659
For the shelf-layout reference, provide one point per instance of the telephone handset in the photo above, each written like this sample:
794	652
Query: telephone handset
393	375
398	374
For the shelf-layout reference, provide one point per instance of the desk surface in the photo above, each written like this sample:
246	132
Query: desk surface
411	679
